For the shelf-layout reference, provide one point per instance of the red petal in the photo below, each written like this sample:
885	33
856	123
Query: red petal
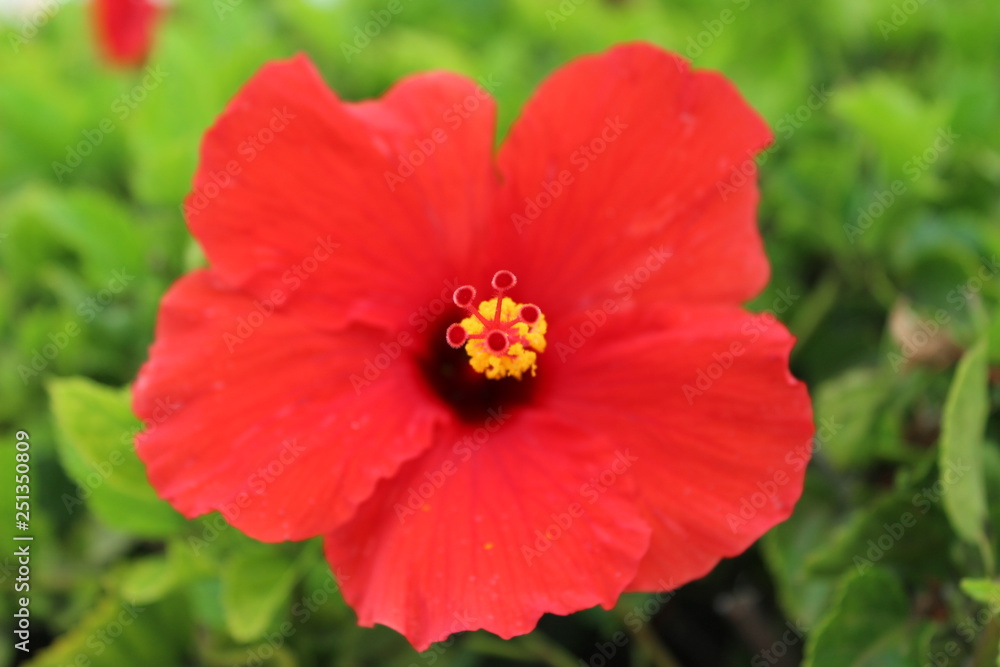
289	172
437	130
703	397
457	540
627	159
125	29
282	428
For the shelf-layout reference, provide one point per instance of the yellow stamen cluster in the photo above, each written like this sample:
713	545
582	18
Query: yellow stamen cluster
526	341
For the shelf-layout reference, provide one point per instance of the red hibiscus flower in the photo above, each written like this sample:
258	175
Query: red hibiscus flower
125	29
498	385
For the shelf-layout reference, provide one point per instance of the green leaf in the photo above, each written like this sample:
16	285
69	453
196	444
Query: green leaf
915	126
151	578
48	222
960	459
994	338
183	97
854	403
903	528
148	579
986	591
788	546
121	633
256	585
534	648
867	626
96	426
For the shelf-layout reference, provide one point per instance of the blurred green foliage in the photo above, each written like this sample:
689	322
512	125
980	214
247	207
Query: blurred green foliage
879	211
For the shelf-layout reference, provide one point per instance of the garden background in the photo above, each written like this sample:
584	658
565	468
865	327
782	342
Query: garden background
879	211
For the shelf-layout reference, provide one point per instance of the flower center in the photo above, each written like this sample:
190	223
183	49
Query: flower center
501	337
